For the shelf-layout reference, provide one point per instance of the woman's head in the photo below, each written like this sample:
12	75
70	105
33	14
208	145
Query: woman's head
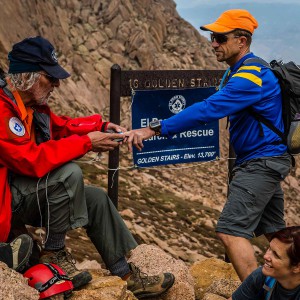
282	259
291	237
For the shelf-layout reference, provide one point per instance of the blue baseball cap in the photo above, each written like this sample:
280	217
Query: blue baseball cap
35	54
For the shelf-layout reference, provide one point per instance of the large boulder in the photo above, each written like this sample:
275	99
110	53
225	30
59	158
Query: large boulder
153	260
14	285
214	276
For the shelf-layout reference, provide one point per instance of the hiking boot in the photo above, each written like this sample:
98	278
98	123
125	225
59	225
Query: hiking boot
145	286
16	254
65	260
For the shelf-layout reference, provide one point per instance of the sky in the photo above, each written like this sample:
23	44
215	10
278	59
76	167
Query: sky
278	34
197	3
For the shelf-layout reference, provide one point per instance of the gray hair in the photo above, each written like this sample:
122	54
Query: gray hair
23	81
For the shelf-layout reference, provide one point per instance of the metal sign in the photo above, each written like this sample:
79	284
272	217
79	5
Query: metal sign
168	79
198	144
124	81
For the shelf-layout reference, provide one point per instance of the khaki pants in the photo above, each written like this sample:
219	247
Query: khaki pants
60	202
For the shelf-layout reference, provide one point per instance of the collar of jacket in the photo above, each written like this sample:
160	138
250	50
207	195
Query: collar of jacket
5	97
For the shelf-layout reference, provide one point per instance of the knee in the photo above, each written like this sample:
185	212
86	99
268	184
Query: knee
74	169
97	198
224	238
72	172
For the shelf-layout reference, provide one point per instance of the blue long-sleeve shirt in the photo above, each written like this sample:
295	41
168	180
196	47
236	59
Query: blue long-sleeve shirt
248	85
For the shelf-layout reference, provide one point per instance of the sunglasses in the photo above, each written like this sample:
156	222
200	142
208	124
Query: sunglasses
220	38
52	79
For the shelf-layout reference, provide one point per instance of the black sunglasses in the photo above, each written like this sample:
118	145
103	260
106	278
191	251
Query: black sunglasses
51	78
220	38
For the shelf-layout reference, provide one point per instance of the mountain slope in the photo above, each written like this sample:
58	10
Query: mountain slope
175	207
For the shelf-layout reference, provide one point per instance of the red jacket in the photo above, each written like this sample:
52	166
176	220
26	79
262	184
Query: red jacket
68	141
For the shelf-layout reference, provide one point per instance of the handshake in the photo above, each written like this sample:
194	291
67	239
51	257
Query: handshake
116	135
119	139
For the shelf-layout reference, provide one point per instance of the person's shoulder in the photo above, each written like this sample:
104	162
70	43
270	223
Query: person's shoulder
257	62
259	272
5	100
258	275
248	74
251	287
262	69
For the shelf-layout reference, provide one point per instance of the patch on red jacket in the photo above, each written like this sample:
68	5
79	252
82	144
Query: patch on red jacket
16	126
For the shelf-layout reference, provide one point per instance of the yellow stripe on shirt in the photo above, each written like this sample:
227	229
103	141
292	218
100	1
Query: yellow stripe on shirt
252	68
249	76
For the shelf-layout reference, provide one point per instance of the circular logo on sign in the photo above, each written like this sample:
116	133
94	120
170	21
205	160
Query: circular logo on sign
177	104
54	56
16	126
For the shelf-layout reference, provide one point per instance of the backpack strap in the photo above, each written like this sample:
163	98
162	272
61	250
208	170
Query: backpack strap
224	78
257	116
268	286
223	82
269	124
257	60
287	91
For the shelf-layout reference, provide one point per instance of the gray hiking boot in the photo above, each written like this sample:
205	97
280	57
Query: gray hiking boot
65	260
17	253
145	286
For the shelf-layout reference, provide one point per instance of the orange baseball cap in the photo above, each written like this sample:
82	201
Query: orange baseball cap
232	19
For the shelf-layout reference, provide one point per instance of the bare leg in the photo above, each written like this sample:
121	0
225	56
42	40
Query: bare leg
240	253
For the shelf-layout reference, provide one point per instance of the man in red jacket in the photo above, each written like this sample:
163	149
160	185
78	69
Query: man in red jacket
39	177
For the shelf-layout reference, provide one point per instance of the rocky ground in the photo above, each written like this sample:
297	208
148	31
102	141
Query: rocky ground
209	279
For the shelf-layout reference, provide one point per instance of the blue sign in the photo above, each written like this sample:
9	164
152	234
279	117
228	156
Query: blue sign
197	144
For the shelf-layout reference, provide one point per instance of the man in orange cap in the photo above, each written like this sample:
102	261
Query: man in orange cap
255	203
231	35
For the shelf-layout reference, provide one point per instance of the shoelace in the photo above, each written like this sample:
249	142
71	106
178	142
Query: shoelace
65	260
144	278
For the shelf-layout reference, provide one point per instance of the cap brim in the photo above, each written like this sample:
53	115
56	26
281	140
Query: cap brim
216	28
55	71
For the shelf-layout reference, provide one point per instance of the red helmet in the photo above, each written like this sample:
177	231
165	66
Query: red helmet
49	280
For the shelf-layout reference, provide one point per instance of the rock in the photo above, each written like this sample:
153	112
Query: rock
207	271
152	260
103	67
103	288
127	213
293	182
115	27
14	285
223	287
91	265
209	296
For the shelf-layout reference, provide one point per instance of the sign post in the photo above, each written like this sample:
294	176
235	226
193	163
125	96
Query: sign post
124	82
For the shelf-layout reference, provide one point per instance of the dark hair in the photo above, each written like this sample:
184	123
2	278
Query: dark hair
290	235
245	33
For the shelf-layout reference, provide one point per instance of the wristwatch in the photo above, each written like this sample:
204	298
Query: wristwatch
155	125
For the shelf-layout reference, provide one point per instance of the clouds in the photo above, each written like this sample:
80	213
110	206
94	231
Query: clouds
187	4
184	4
